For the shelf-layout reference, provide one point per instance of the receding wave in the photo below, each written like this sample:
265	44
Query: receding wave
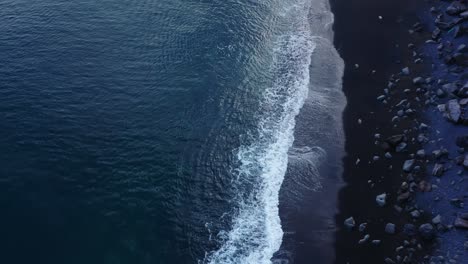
255	233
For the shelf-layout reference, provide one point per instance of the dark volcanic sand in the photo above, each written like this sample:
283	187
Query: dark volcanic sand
362	38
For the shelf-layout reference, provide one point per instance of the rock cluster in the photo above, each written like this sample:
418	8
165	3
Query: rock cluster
406	94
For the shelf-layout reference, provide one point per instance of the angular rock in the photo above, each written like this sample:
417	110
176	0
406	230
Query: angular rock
415	214
461	223
401	147
462	47
436	33
381	199
450	88
453	110
393	141
418	80
438	170
390	228
421	153
437	220
464	15
365	239
455	8
350	223
408	165
405	71
362	227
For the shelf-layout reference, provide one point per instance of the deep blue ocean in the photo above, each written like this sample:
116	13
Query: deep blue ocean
160	131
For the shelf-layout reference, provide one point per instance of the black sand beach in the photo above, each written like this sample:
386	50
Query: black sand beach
368	43
374	37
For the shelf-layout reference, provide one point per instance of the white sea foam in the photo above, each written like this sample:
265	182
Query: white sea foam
256	233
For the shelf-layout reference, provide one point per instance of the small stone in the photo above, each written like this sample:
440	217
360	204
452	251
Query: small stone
418	80
438	170
421	153
436	33
362	227
415	214
450	88
401	147
461	223
455	8
405	71
457	202
437	220
423	126
388	155
453	110
350	223
427	231
381	199
408	165
462	47
440	93
365	239
390	228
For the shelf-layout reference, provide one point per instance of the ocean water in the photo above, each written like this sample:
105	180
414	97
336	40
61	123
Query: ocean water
163	131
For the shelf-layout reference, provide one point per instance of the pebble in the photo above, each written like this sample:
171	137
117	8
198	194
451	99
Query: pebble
421	153
390	228
405	71
437	220
362	227
408	165
350	223
364	239
381	199
426	231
